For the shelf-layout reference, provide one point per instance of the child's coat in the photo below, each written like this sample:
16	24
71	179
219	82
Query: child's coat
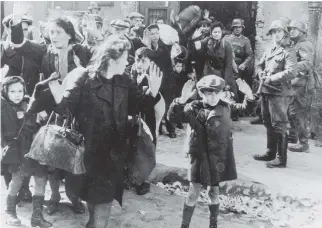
210	144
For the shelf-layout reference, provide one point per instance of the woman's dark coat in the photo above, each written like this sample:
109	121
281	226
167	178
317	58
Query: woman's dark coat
218	60
210	144
101	111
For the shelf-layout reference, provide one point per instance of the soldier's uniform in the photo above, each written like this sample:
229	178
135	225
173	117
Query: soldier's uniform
279	64
243	53
303	85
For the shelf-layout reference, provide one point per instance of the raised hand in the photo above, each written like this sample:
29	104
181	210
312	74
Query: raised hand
146	38
154	79
188	91
54	76
197	33
19	10
245	88
206	14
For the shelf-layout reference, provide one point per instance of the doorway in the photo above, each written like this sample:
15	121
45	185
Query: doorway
225	12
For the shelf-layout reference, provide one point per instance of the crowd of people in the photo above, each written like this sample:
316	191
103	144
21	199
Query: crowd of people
201	76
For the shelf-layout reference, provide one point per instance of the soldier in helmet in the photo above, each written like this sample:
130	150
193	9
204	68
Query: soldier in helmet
277	69
243	55
242	49
94	8
303	86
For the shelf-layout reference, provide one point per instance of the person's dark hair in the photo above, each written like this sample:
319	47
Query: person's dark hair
144	52
217	24
153	26
67	25
112	48
178	60
7	81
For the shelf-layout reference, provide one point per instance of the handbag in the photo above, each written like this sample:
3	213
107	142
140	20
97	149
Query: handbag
59	147
142	159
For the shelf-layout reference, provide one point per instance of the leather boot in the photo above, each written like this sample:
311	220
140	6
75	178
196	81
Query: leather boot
90	223
292	138
11	214
271	147
280	161
187	215
214	211
37	219
300	147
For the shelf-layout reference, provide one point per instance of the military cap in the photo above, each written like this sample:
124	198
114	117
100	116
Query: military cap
299	25
93	5
120	24
211	82
278	24
237	22
6	21
136	14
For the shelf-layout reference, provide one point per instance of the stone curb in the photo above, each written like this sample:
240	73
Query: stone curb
242	186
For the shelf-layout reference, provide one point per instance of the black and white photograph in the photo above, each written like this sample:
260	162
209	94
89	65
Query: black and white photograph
161	114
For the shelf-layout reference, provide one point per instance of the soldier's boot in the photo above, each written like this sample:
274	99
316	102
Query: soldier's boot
257	120
214	211
90	223
187	215
300	147
11	213
271	147
303	136
292	137
281	160
37	219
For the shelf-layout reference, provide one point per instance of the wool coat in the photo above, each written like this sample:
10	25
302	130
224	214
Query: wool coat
210	141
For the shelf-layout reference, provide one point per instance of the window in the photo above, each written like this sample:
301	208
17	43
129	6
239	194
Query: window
153	13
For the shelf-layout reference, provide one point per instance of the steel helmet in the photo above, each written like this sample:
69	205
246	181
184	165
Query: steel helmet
278	24
93	5
297	24
237	22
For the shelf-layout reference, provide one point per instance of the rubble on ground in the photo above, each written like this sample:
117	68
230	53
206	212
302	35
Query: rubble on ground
279	212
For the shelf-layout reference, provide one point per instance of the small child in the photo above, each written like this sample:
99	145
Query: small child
181	78
211	143
152	116
17	131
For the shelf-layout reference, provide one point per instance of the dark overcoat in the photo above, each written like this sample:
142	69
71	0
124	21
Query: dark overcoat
218	57
210	142
13	149
101	109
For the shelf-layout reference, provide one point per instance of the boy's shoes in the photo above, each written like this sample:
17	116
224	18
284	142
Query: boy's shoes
172	135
